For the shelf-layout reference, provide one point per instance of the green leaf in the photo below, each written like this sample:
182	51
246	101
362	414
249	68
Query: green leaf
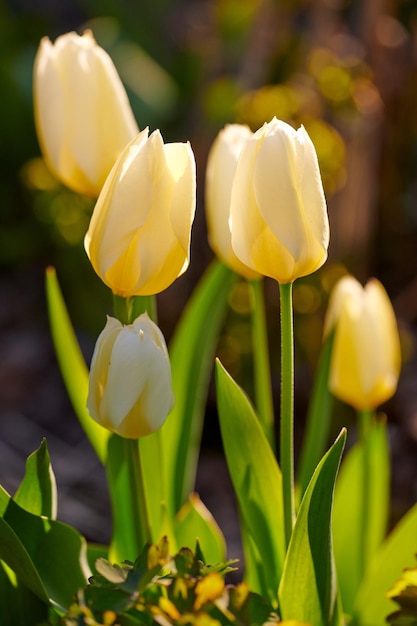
48	557
37	491
194	521
396	553
192	353
318	418
72	364
96	551
18	605
153	465
360	513
256	478
307	591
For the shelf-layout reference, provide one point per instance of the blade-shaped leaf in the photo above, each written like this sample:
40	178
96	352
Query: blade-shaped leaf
18	605
37	491
360	513
396	553
194	521
48	557
72	364
153	464
256	478
307	591
318	419
192	353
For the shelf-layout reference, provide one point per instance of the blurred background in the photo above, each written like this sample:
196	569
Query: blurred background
346	69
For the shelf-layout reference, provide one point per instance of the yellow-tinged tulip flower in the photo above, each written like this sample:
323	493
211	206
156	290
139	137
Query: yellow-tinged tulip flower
366	357
278	210
139	236
130	391
221	167
82	113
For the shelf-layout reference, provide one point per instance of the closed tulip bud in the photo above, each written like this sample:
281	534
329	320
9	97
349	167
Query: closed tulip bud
139	236
82	113
278	211
130	390
221	168
366	358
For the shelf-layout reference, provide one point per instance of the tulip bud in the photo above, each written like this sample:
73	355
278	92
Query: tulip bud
130	390
221	167
82	113
366	357
139	236
278	211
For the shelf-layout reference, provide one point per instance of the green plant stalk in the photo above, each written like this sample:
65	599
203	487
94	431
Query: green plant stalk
138	497
126	310
287	407
366	421
262	371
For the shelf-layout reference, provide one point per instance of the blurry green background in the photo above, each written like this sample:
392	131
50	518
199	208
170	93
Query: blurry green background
346	69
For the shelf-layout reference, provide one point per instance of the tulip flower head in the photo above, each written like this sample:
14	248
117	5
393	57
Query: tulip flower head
130	390
139	236
366	357
279	219
221	168
82	113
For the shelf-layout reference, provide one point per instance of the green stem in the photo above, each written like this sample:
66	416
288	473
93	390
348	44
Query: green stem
126	310
287	407
140	516
366	421
122	309
263	391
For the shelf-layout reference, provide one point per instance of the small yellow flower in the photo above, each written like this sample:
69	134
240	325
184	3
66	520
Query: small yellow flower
279	219
139	236
82	113
130	390
366	357
221	168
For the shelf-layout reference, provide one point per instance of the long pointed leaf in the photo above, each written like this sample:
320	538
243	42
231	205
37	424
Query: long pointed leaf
37	491
358	533
396	553
256	478
48	557
192	353
318	419
194	521
72	364
307	591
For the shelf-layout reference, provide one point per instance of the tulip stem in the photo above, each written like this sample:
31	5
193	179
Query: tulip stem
137	494
121	307
263	392
287	407
366	421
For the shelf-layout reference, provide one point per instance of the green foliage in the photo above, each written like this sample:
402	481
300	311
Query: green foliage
256	479
37	491
404	593
72	365
308	590
44	558
397	551
360	513
191	353
162	589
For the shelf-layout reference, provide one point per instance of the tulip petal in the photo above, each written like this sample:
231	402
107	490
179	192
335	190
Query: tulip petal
128	374
99	365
